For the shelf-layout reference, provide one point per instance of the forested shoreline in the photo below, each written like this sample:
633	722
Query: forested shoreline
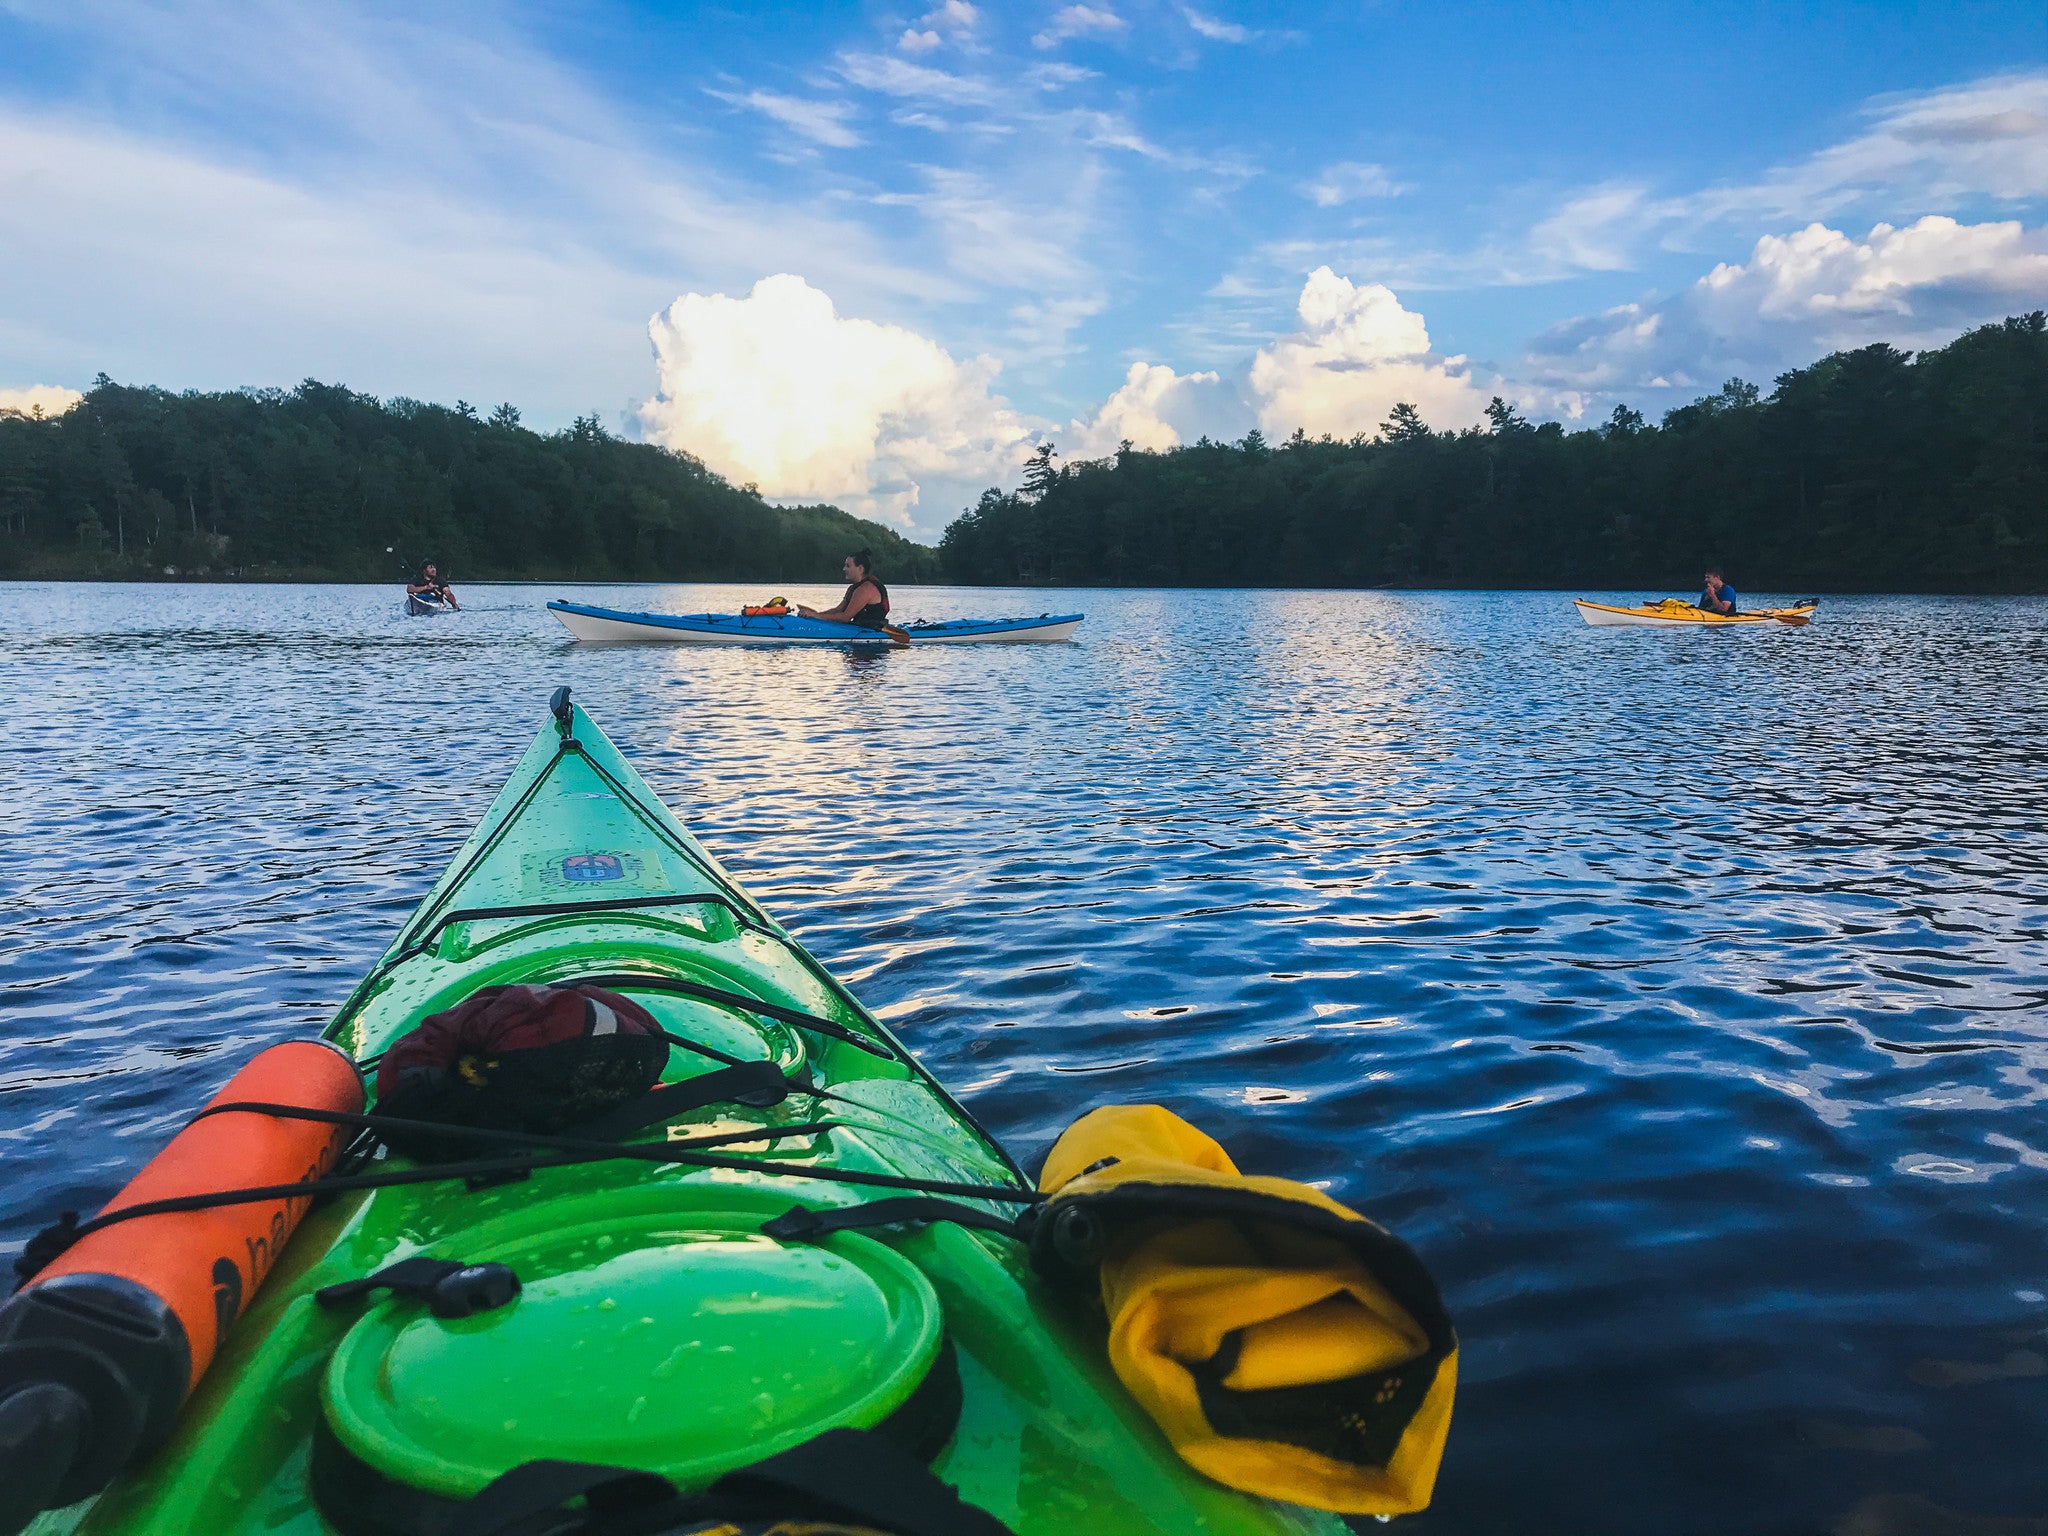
1871	470
315	483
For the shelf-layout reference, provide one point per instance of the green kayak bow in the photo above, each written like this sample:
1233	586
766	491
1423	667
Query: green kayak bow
612	1300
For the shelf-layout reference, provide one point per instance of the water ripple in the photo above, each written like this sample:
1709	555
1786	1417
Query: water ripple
1680	996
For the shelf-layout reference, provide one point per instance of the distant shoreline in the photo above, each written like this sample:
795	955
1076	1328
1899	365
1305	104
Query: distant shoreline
460	582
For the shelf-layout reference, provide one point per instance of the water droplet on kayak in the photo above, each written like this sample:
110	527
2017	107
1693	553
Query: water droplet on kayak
670	1361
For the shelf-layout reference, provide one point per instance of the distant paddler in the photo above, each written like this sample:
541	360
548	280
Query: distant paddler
1718	596
431	588
866	602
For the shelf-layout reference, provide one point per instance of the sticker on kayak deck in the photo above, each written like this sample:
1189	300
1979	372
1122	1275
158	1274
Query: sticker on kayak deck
600	869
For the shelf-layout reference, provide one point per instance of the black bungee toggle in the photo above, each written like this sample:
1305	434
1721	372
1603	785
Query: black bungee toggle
449	1287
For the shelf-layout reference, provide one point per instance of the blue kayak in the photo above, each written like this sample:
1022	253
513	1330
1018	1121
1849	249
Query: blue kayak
612	624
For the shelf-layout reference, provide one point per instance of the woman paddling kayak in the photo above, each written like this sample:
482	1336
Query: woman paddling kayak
866	602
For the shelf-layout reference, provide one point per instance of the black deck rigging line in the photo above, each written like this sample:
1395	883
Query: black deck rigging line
837	988
557	1152
448	920
47	1244
544	1141
795	1017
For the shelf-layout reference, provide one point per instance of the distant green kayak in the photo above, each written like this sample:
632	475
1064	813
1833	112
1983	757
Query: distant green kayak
641	1318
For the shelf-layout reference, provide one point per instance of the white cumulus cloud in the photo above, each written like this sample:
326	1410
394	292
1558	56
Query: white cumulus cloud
48	399
778	389
954	20
1078	21
1137	411
1356	353
1802	295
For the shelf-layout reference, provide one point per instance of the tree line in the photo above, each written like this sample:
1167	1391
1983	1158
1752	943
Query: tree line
314	484
1873	470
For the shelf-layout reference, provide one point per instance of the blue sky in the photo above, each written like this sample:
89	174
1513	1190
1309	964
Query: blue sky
871	253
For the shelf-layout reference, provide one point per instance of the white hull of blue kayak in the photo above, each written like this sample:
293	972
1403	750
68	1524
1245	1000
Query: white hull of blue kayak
612	625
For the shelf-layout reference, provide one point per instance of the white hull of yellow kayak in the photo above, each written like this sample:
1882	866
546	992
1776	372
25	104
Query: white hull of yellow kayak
1647	617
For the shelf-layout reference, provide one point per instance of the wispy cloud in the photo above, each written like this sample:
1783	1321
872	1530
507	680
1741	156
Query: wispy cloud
822	122
1004	235
1216	30
429	213
1937	151
1079	21
1349	180
892	76
1590	233
1053	76
1931	152
1988	138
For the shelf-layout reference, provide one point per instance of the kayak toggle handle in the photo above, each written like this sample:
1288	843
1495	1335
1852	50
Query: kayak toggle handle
558	706
449	1287
42	1429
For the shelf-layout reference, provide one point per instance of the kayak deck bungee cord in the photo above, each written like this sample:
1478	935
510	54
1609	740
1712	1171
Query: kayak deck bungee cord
644	1224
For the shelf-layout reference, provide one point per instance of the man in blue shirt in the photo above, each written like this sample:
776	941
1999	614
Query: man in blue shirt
1719	597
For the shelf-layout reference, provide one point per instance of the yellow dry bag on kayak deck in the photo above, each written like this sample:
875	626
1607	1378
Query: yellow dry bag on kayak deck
1286	1345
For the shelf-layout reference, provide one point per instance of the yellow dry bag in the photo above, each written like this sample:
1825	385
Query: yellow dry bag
1286	1345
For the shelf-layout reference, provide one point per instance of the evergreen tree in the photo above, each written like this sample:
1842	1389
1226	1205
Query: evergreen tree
1404	424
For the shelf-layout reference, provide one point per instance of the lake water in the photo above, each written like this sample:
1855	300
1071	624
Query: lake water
1683	997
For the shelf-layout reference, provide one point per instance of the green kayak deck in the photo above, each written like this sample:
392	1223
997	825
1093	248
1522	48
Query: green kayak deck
658	1327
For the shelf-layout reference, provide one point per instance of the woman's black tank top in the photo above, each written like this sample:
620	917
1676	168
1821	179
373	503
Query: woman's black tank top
875	615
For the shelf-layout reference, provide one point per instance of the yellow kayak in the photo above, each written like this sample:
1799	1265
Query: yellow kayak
1677	611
